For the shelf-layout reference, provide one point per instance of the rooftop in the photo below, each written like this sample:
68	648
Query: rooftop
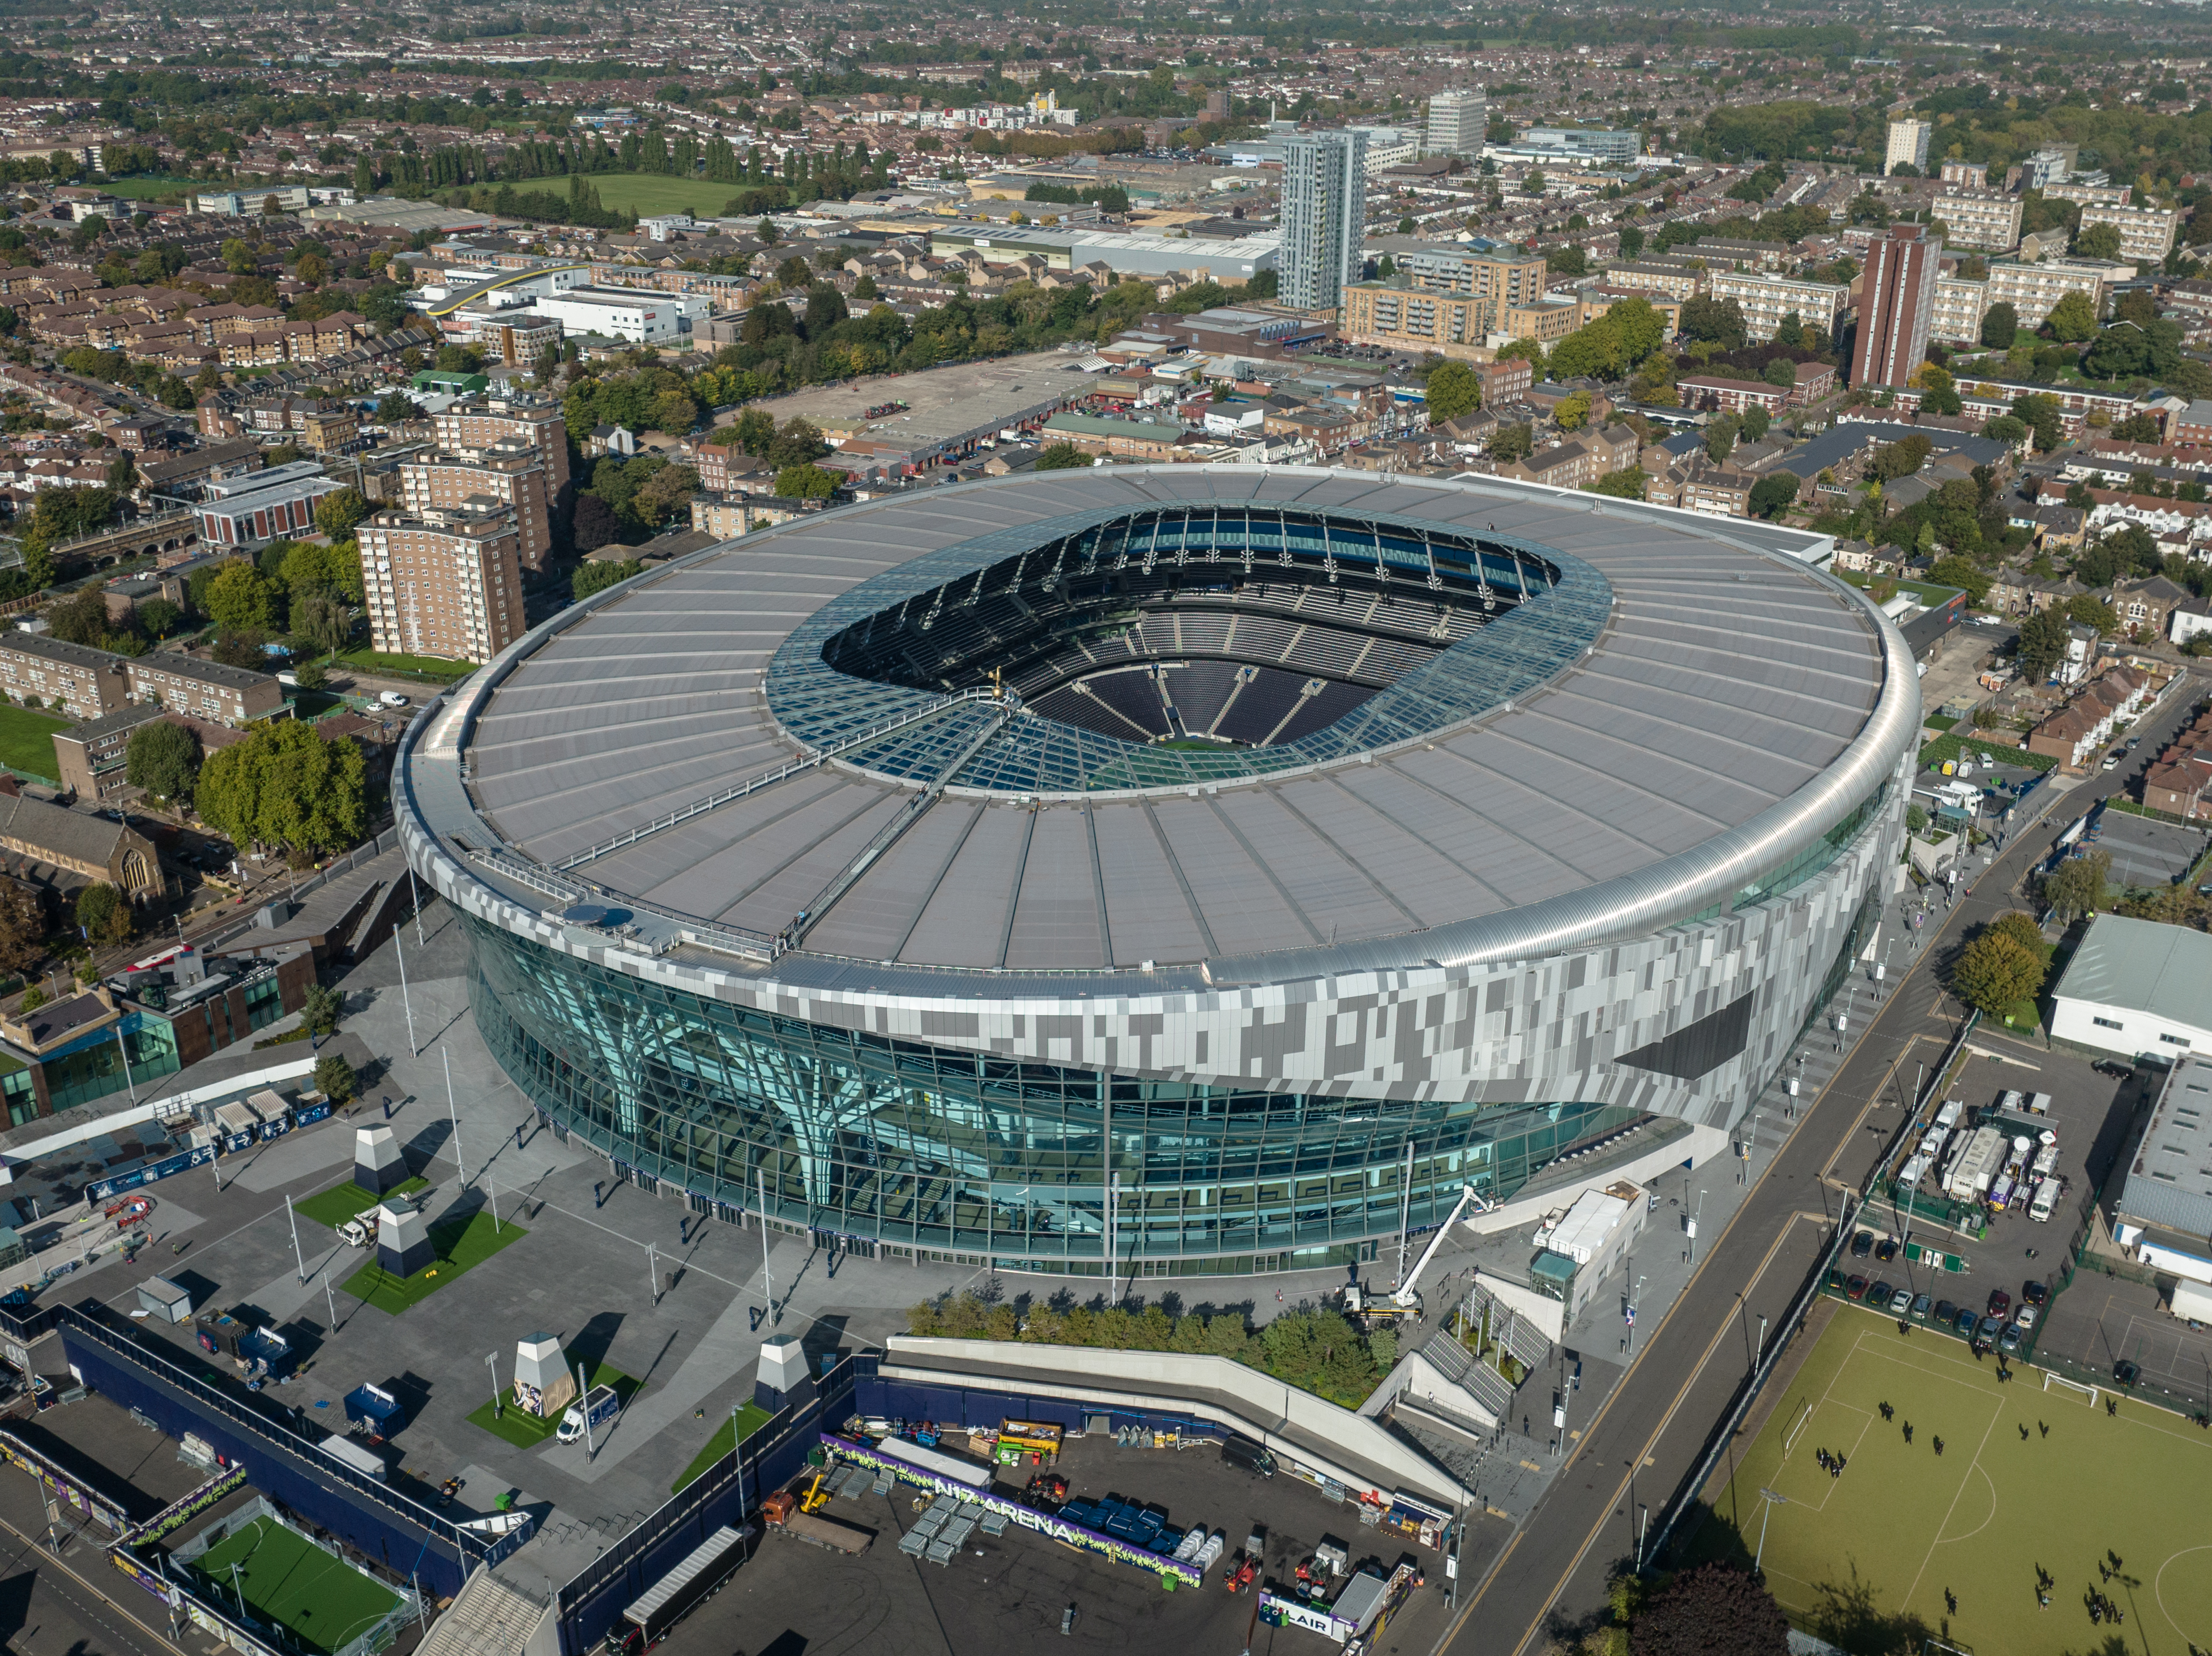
2165	971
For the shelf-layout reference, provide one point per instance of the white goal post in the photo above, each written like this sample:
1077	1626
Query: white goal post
1804	1414
2051	1379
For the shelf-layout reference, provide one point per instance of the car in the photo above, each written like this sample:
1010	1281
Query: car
2111	762
2024	1319
2009	1341
1836	1277
1986	1332
1945	1313
1964	1321
2125	1372
1901	1302
1856	1287
1886	1249
1878	1295
2121	1071
2034	1293
1920	1306
391	699
2000	1302
1861	1245
2134	742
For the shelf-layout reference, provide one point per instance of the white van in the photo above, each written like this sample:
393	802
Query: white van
2045	1201
392	699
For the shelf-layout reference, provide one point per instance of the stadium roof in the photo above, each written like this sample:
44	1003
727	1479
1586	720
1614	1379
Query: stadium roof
1697	705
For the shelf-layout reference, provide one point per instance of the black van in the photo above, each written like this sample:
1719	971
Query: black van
1247	1456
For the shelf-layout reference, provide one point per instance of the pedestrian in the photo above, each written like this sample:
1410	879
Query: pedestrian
2023	1435
2043	1429
1886	1411
1939	1446
1950	1601
1908	1432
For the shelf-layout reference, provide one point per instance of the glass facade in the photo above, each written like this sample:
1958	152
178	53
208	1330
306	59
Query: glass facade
92	1068
948	1151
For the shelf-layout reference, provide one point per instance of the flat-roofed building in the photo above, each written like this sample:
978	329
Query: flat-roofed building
263	506
1960	305
640	318
2034	289
1764	300
74	678
1908	146
1979	218
2146	232
511	471
446	584
204	689
537	421
1677	281
1458	121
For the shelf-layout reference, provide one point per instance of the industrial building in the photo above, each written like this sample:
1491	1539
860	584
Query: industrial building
1203	851
2137	988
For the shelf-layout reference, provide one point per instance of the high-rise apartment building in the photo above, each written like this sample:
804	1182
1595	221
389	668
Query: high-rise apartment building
447	583
537	420
1458	120
1908	143
1897	302
1324	215
510	471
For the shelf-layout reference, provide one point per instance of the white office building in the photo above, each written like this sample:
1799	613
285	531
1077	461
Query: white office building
1458	119
642	318
1324	216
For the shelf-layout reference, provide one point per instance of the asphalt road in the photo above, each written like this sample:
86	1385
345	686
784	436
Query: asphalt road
48	1606
1643	1445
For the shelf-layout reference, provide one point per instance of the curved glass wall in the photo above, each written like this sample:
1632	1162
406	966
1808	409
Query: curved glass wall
949	1152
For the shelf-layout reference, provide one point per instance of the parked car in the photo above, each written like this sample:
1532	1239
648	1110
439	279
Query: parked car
1946	1314
1856	1287
1901	1302
1986	1332
1878	1295
2000	1302
1920	1305
2008	1342
2035	1293
2125	1372
1964	1321
1836	1278
1861	1245
2024	1319
2119	1071
1886	1249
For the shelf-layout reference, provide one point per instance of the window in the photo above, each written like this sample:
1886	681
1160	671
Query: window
2105	1024
20	1092
2175	1041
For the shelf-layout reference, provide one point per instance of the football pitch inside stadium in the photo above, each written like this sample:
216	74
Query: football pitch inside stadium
2104	1498
319	1599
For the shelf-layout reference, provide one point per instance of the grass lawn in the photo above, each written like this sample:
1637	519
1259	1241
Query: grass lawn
752	1416
27	740
334	1206
1864	1560
380	661
323	1601
459	1245
527	1431
646	193
1950	746
152	186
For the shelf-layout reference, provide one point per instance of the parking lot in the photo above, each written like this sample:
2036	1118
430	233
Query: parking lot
2092	1114
1010	1592
2145	853
2101	1321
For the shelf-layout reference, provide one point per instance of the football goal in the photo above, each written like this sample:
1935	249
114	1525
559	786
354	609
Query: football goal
2087	1391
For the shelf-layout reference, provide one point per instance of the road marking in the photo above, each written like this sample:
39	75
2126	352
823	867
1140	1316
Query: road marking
31	1547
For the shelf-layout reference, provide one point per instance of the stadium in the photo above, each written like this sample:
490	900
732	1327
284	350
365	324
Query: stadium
1149	865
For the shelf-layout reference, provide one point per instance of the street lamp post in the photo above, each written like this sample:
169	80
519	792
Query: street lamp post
1635	1295
492	1362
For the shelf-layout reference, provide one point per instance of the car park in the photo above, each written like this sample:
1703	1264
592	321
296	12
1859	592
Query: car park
1861	1245
1886	1249
1920	1306
1856	1287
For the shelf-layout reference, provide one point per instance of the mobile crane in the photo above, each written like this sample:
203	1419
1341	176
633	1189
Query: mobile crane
1404	1300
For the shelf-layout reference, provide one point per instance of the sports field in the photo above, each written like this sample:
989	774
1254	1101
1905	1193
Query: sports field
1907	1542
284	1578
647	193
27	740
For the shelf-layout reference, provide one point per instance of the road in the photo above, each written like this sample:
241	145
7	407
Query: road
1644	1445
53	1607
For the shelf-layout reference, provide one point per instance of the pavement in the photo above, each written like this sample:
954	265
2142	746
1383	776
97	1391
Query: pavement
1643	1443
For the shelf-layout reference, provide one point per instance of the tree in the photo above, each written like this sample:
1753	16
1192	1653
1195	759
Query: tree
2072	319
1534	183
1711	1611
1061	457
103	914
1753	423
2097	241
81	618
1454	390
1994	971
319	1009
2078	885
335	1079
596	575
1626	484
323	618
595	525
1719	320
1781	373
158	615
339	514
2000	324
22	929
1572	411
806	482
1901	458
1512	443
1776	492
1720	438
2042	642
285	786
241	598
1962	572
164	759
